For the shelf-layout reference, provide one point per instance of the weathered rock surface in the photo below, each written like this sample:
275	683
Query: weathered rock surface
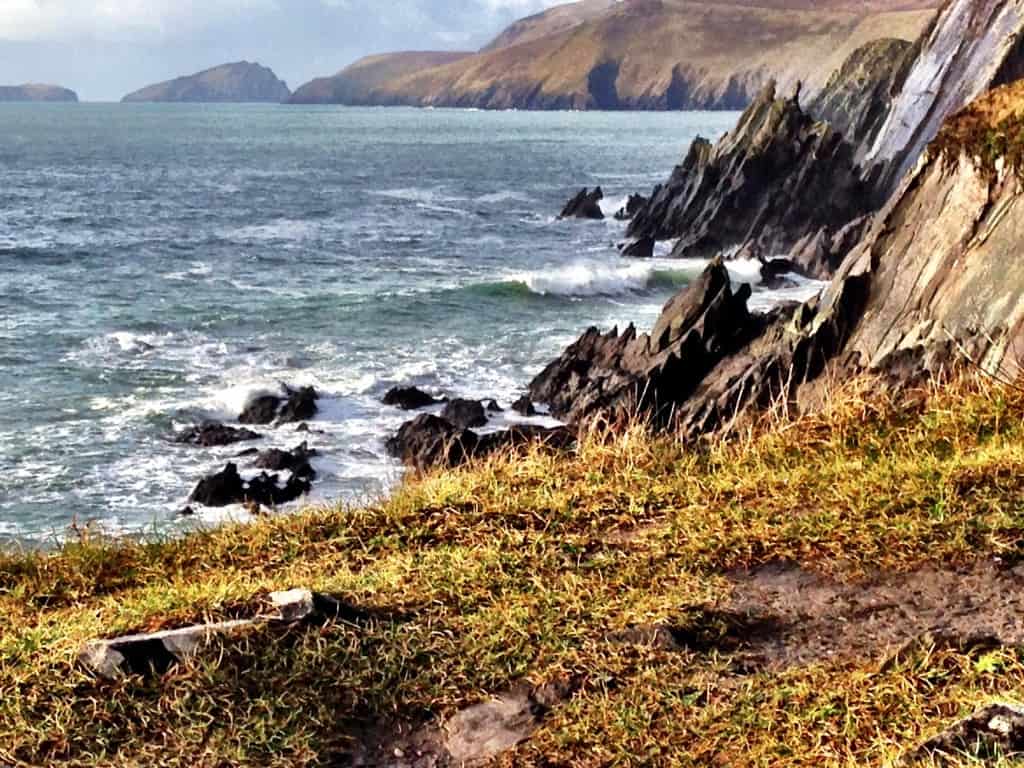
429	441
465	414
213	434
524	406
33	92
640	248
410	398
228	487
293	405
779	178
586	204
238	82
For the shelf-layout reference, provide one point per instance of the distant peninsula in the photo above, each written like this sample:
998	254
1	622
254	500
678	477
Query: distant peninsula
36	92
633	54
240	82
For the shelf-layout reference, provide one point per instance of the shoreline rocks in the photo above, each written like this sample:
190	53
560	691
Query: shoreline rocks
293	405
213	434
410	399
585	205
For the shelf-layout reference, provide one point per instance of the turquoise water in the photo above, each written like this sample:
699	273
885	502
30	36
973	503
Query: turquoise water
159	264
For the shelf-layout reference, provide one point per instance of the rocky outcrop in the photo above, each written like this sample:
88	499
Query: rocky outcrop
228	487
32	92
935	284
410	399
292	405
240	82
780	182
634	204
430	441
585	204
212	434
465	414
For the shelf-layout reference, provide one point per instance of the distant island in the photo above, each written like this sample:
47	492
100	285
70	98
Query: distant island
240	82
36	92
633	54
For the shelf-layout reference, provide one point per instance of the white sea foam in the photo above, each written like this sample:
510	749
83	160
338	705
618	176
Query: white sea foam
592	279
612	205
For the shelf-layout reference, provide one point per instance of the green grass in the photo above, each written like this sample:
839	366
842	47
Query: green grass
520	567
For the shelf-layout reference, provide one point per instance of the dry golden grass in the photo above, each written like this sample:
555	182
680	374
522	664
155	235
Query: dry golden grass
520	567
988	130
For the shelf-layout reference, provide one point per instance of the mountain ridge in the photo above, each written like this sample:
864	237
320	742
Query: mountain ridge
636	54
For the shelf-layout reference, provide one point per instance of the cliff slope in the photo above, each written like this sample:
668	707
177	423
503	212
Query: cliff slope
35	92
239	82
645	54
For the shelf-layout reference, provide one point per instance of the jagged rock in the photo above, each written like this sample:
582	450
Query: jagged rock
410	399
300	405
641	248
292	405
633	205
524	406
774	271
429	441
493	407
617	374
585	205
465	414
214	434
996	731
227	487
857	99
777	178
295	461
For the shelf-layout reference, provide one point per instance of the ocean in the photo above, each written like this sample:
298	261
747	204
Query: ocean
162	264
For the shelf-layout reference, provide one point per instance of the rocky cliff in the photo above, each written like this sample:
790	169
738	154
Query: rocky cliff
36	93
239	83
933	283
637	54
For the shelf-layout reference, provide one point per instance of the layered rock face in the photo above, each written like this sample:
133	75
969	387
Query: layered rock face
778	180
934	283
52	93
240	82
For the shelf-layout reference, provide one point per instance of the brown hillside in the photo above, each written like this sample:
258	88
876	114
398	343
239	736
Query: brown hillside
653	54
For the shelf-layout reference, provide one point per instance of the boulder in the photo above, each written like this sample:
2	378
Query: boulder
227	487
493	407
585	205
429	441
212	434
633	206
295	461
524	406
260	410
640	248
774	272
409	399
299	405
465	414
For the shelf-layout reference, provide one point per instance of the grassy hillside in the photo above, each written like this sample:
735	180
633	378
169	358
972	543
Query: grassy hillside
763	602
653	54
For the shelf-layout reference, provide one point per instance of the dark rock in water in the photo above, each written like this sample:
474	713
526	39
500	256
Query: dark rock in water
524	406
294	405
261	410
493	407
227	487
585	205
213	434
429	441
186	512
409	399
303	427
774	271
631	208
995	732
299	406
465	414
295	461
641	248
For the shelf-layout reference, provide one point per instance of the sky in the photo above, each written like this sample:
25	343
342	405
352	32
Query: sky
104	49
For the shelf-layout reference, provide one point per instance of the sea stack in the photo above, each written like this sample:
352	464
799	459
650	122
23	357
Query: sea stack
241	82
